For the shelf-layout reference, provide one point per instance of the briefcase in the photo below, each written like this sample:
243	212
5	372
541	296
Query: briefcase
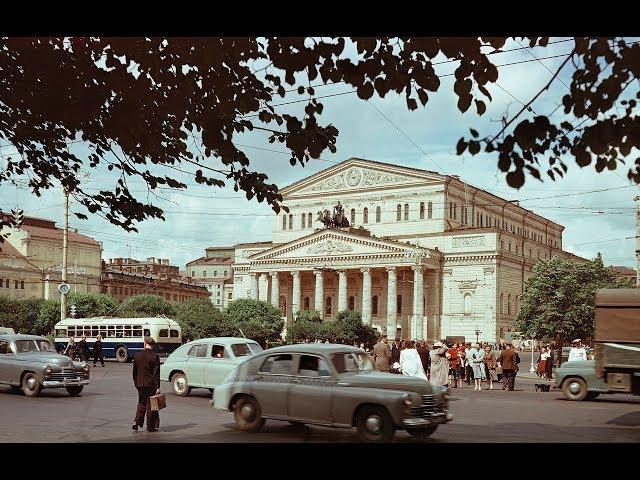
158	402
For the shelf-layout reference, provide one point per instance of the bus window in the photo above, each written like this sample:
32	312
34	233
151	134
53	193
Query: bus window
174	333
72	331
111	332
164	333
137	331
127	333
147	332
94	331
87	331
61	332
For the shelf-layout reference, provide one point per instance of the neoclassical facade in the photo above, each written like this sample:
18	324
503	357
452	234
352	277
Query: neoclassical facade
426	255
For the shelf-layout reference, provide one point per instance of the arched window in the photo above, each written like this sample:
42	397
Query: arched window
429	210
352	303
399	305
467	304
517	310
304	220
516	249
374	305
327	306
378	214
421	210
353	217
406	211
455	207
466	218
290	222
509	304
306	303
309	220
365	215
399	213
284	222
502	303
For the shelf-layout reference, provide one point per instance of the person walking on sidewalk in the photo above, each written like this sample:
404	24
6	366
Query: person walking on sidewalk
477	363
97	351
509	360
146	378
490	363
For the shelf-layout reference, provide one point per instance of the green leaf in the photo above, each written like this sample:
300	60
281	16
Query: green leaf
461	146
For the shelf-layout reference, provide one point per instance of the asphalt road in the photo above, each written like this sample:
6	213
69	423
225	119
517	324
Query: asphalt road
104	412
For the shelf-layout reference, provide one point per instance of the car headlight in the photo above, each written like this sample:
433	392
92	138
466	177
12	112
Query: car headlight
86	368
407	398
48	370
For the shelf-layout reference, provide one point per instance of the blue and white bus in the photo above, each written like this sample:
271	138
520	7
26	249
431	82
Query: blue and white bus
121	337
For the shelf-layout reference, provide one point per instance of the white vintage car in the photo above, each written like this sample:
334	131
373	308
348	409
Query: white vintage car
205	363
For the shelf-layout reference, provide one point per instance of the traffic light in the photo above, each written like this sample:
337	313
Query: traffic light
72	311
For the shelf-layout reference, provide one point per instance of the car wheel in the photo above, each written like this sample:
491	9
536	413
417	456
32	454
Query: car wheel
248	414
374	424
574	389
74	391
592	395
122	355
422	432
180	385
30	385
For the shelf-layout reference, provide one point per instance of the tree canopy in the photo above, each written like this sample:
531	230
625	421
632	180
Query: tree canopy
559	299
258	320
140	103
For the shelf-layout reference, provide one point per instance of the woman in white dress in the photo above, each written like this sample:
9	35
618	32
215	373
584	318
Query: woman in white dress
410	361
439	365
477	363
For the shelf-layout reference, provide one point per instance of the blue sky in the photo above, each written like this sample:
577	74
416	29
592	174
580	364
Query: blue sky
207	216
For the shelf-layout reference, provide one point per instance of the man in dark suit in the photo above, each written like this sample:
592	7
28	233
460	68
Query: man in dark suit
381	355
97	351
146	378
395	352
509	360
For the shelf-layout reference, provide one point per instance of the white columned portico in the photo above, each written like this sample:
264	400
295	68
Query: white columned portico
342	291
275	289
418	307
391	302
319	294
366	296
254	285
295	301
263	287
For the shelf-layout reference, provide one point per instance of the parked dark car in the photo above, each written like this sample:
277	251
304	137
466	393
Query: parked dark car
331	385
30	363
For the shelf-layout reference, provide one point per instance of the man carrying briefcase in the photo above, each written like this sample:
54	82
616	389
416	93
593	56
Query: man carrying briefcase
146	378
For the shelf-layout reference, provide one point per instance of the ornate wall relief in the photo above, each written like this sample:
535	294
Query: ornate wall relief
475	241
330	246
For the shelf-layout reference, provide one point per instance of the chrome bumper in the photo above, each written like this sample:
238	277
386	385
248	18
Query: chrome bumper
65	383
433	419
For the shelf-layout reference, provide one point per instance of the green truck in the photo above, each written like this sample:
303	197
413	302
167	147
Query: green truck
616	367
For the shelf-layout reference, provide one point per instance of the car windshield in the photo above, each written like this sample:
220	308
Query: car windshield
244	349
352	362
23	346
45	346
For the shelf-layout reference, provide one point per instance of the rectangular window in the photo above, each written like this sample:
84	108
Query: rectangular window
455	207
312	366
16	284
204	273
284	222
175	333
277	365
215	273
225	273
164	333
509	247
399	305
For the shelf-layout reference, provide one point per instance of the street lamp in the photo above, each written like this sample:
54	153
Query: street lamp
477	332
533	368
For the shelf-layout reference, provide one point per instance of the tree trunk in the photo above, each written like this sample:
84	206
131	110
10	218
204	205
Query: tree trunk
559	343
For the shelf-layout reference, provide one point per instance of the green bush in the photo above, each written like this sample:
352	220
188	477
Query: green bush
48	316
198	318
258	320
92	304
21	315
308	316
145	306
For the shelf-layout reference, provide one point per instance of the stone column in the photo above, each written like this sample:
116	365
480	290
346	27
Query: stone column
254	285
391	303
342	291
418	311
263	282
47	287
295	301
366	296
275	290
319	295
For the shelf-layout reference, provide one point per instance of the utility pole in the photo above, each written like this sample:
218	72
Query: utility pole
65	242
637	200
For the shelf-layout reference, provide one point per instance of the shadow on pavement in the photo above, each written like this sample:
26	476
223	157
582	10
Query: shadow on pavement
631	419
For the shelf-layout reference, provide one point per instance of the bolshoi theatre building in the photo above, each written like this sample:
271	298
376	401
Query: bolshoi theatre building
425	255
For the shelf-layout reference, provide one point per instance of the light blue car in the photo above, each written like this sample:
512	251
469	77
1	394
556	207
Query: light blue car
579	380
205	363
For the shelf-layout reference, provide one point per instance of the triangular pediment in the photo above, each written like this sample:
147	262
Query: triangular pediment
357	175
335	242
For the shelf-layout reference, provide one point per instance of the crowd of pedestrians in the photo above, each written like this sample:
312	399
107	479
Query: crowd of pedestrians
451	365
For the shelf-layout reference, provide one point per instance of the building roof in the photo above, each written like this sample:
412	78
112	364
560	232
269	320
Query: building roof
151	276
253	244
8	250
622	270
57	234
210	261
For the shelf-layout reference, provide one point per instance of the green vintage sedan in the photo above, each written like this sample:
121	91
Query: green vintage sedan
331	385
579	381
